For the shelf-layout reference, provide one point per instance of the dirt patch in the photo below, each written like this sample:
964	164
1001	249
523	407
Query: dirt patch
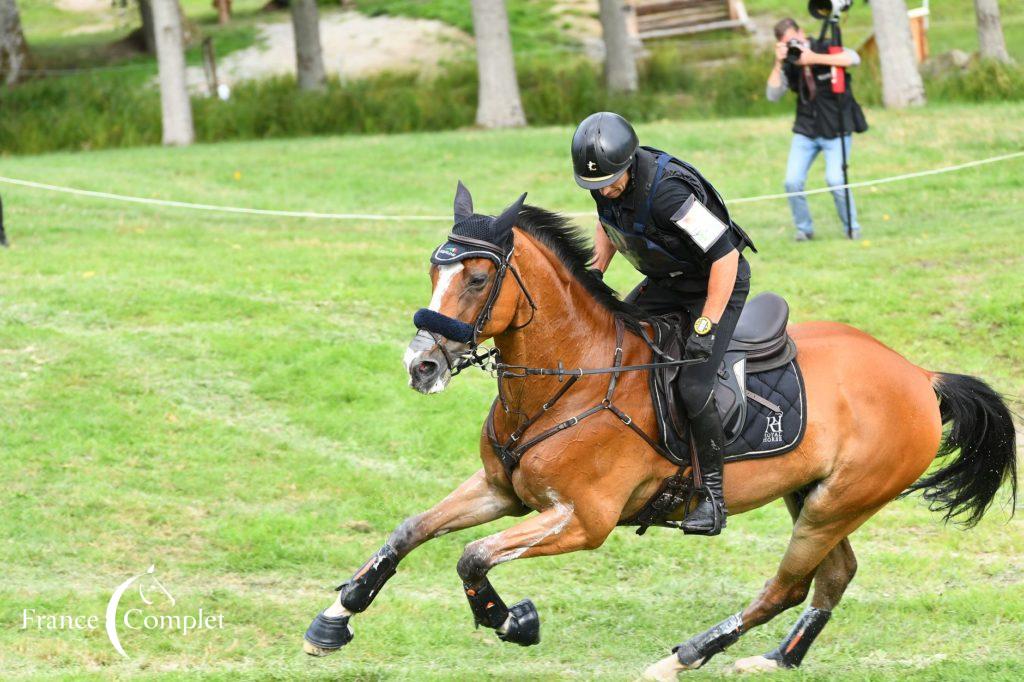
85	6
354	46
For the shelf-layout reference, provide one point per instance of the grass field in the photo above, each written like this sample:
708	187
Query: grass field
222	396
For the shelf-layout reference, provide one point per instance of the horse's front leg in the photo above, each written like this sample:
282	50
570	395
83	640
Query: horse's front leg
475	502
556	530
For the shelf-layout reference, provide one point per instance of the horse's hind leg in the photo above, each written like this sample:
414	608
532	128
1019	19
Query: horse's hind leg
475	502
831	579
820	527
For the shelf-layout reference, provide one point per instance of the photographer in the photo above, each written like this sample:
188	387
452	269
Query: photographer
806	67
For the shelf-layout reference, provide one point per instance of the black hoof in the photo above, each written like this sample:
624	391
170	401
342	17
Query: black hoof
328	633
523	624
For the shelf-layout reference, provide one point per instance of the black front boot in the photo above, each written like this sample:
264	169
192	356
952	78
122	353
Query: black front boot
708	438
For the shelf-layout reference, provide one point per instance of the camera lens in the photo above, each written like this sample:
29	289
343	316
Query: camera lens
793	50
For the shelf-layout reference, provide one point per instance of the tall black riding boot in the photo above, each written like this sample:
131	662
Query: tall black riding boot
708	438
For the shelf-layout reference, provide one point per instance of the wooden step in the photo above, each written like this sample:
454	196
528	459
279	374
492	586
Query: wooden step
659	6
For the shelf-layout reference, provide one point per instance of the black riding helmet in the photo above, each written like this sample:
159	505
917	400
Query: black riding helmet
602	149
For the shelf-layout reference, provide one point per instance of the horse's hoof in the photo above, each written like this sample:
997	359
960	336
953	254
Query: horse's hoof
314	650
523	624
665	670
754	664
326	634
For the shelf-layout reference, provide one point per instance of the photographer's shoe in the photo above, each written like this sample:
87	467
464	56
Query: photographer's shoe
804	236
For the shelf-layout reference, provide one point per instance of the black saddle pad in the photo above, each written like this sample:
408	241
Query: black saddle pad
776	414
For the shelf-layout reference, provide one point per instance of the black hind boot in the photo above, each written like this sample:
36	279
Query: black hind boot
708	438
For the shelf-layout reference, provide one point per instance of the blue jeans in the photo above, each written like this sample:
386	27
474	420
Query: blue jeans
801	155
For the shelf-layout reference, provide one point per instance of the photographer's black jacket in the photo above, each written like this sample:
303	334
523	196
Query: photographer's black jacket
817	111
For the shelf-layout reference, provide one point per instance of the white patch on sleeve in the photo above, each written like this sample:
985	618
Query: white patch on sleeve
699	223
446	273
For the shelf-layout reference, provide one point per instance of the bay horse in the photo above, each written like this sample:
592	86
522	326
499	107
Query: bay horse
874	425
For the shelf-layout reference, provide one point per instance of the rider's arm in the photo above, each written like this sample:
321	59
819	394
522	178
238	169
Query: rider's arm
603	249
720	284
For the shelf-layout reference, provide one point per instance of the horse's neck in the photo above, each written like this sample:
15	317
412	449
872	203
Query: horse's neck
569	325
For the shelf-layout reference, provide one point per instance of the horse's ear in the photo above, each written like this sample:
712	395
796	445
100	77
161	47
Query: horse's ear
463	202
503	223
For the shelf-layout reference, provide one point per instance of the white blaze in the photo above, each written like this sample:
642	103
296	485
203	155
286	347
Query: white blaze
445	275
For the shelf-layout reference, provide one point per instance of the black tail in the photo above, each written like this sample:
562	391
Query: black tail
982	431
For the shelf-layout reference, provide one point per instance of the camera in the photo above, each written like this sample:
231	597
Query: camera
794	48
828	10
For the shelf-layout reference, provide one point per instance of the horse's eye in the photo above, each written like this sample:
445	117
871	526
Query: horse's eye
477	281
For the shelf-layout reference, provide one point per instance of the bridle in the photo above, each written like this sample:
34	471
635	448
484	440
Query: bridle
502	259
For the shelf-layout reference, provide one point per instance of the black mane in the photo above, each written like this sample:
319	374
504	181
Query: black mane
558	233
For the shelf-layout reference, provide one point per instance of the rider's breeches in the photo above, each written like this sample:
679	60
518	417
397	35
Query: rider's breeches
658	298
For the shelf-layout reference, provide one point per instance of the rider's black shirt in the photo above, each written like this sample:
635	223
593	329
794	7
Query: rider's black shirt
672	193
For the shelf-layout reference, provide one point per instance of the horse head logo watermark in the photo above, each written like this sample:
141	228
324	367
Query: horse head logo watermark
147	580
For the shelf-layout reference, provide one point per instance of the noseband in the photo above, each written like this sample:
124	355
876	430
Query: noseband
438	325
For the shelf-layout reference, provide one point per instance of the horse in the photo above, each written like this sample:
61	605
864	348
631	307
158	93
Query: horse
874	426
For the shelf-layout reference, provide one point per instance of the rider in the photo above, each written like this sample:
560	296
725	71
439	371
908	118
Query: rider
673	226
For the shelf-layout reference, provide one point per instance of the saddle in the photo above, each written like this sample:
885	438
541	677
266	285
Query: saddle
759	367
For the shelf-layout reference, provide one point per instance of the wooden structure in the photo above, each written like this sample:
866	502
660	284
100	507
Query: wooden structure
918	34
652	19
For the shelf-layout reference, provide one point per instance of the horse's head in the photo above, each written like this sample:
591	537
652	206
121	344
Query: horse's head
470	301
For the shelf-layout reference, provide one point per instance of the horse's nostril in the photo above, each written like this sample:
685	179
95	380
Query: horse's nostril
425	369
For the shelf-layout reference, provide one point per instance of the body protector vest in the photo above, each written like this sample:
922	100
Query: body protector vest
649	257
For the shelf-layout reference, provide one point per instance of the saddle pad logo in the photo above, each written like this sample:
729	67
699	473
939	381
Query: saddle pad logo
773	430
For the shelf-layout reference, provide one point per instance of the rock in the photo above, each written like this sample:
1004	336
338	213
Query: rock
947	62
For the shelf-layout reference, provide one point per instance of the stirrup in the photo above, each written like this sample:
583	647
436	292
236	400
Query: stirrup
717	511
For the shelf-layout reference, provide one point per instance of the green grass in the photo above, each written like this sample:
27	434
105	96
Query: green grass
223	396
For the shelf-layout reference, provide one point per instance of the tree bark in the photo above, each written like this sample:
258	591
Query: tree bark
901	82
223	11
13	50
309	59
170	55
991	44
498	103
619	57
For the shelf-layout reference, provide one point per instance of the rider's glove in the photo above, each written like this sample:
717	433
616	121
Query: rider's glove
701	341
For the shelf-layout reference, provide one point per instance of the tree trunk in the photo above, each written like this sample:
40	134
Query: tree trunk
309	58
170	55
901	82
619	57
223	11
498	104
13	50
148	34
991	44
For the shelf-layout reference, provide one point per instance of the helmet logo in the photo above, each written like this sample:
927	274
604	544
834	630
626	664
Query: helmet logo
591	165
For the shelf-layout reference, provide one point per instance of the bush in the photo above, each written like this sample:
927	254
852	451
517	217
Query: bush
107	109
984	81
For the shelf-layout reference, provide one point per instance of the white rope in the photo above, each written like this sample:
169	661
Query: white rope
863	183
213	207
432	218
